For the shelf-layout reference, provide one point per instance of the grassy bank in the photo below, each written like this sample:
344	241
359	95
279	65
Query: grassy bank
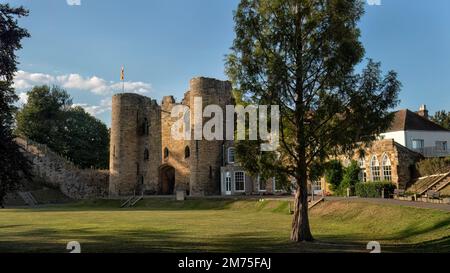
157	225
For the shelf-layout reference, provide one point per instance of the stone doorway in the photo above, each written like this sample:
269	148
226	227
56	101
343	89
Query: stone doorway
167	178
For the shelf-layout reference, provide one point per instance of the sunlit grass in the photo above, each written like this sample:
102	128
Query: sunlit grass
219	225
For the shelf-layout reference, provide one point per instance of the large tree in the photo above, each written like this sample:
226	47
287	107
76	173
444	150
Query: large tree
49	118
13	165
442	118
301	55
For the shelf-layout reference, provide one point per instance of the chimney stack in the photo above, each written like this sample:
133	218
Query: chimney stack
423	112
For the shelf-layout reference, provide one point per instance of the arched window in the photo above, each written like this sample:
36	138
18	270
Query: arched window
375	169
347	162
146	154
145	127
187	152
231	155
387	169
166	152
362	170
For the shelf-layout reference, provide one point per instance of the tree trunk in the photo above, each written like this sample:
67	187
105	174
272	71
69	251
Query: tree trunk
300	222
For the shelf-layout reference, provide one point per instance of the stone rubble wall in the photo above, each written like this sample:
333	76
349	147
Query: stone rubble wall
59	172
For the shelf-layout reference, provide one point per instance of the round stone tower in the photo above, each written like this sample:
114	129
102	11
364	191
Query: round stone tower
207	155
134	149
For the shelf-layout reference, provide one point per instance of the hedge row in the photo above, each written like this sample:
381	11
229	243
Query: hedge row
374	189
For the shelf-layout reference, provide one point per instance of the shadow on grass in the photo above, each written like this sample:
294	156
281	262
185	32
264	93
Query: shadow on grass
132	241
54	241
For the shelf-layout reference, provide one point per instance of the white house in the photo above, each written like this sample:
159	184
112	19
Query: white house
416	132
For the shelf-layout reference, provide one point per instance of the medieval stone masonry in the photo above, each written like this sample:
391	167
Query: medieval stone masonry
145	158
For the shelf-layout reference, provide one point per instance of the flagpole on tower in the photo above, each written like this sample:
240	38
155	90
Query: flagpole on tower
122	78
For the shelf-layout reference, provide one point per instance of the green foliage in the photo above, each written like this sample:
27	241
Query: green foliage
349	179
301	55
442	118
432	166
334	174
49	118
374	189
13	165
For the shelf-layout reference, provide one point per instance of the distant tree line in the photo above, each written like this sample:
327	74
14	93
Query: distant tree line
442	118
50	118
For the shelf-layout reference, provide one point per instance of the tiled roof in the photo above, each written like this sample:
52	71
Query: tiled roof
405	120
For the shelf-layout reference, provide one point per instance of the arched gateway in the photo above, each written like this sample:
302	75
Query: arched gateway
167	179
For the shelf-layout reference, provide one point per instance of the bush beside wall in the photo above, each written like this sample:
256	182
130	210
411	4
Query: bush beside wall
374	189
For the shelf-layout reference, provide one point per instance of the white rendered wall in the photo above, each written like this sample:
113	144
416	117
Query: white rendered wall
429	137
398	136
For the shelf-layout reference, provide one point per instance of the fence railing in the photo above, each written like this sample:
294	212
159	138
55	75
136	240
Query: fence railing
433	151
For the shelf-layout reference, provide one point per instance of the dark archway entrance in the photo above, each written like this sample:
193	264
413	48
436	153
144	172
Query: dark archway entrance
167	178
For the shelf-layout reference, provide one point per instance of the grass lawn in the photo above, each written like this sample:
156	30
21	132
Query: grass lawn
161	225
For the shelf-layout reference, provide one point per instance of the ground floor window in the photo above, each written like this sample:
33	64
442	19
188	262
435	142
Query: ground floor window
239	181
228	182
387	169
276	185
362	170
262	184
316	185
375	169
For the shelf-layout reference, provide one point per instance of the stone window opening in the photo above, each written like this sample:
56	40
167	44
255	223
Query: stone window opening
137	169
387	168
166	153
375	169
146	154
210	172
145	127
187	152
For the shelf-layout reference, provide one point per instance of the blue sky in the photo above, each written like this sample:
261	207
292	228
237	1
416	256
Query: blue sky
164	43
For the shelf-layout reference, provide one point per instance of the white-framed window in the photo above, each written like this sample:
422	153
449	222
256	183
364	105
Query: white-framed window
441	146
277	187
262	184
362	170
316	185
347	162
375	169
387	168
231	155
228	182
418	143
239	181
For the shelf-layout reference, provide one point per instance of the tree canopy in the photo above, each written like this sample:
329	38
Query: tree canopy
301	55
442	118
49	118
13	164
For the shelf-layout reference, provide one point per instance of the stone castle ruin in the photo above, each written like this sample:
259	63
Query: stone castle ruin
145	159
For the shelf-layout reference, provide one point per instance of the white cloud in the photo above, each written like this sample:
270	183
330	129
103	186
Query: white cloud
73	2
26	80
23	98
374	2
104	106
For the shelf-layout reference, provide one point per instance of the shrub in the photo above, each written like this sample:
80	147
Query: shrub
432	166
333	174
373	189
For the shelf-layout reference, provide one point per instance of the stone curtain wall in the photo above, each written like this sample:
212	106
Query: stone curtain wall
60	173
